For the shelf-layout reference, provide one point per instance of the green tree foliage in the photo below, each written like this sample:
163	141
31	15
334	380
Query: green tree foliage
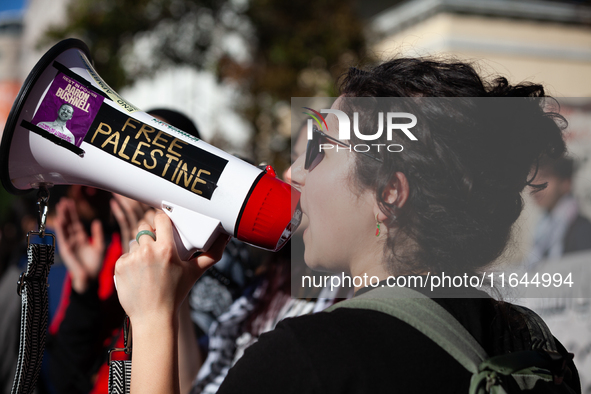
295	35
294	48
181	31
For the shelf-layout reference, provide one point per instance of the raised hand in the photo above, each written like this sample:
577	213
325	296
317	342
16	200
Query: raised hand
128	213
82	256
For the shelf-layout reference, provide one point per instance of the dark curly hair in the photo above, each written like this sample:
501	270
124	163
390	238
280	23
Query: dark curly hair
475	150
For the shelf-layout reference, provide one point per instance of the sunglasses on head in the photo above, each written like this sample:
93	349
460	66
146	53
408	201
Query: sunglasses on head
313	153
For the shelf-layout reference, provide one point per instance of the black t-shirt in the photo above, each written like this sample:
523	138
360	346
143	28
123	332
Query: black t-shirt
365	351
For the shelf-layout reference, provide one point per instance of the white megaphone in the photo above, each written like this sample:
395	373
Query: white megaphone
67	126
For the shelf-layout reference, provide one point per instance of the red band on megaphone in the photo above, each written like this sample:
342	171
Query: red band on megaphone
268	213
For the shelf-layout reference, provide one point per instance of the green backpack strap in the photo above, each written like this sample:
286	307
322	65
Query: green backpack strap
425	315
432	320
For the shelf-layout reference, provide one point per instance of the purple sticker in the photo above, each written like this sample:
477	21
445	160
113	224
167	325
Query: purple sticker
68	109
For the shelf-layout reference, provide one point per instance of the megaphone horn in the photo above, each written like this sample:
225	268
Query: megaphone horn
67	126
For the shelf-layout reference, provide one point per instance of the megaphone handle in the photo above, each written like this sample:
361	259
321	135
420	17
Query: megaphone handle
185	253
193	231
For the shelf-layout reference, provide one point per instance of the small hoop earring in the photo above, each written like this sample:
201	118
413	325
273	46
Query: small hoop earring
378	231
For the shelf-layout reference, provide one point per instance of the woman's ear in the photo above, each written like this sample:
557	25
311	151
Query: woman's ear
397	191
395	194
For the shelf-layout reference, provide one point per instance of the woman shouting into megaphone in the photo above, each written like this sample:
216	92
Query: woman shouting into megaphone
444	205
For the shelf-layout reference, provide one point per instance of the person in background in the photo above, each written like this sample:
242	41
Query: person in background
89	315
562	229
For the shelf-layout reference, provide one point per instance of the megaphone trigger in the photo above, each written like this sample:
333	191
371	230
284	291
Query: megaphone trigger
194	232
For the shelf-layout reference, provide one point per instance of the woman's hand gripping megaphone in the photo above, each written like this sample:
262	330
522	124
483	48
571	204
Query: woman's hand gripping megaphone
152	280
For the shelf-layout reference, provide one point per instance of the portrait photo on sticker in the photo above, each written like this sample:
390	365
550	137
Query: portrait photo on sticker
68	109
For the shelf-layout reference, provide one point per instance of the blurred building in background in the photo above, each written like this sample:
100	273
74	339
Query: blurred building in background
539	41
11	29
38	16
